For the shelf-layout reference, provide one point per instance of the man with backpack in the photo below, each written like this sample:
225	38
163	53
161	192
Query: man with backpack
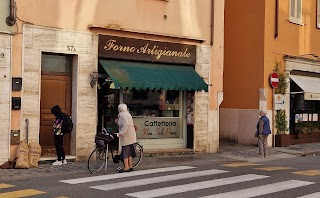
61	125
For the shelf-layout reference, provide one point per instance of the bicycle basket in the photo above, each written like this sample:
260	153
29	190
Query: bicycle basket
106	138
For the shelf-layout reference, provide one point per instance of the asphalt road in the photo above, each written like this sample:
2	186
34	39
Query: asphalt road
294	177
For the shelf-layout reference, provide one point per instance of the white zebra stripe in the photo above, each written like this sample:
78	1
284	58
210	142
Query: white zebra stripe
195	186
122	175
262	190
313	195
155	180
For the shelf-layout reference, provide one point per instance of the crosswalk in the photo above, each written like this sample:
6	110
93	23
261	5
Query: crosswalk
187	179
262	190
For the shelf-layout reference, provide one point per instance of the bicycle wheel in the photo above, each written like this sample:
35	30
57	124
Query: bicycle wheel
97	160
139	150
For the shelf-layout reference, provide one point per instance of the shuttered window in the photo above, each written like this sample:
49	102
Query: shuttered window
295	11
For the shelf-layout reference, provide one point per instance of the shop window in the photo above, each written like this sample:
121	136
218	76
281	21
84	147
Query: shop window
305	114
139	94
295	11
304	105
152	103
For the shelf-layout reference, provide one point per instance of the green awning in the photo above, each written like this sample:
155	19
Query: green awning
153	76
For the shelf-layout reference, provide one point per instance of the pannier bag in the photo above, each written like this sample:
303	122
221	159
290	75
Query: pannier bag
117	159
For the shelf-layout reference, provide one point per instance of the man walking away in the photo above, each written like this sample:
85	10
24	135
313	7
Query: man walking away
263	128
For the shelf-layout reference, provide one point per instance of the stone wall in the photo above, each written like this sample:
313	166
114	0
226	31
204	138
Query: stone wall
202	133
84	47
239	125
5	97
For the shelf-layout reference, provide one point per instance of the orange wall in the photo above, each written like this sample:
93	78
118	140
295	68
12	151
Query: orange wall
184	17
243	60
250	46
293	39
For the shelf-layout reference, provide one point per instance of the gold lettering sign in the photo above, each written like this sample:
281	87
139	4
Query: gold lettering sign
137	49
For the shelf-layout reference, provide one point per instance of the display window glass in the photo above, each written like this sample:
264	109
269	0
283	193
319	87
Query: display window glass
152	103
304	114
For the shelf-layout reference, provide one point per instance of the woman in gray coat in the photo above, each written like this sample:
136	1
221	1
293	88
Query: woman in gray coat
127	137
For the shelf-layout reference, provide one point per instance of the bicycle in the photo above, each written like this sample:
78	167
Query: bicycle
98	158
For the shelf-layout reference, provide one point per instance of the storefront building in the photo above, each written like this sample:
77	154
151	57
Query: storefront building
154	79
283	34
63	60
304	98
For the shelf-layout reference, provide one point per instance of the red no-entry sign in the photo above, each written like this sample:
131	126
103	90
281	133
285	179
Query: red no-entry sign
274	79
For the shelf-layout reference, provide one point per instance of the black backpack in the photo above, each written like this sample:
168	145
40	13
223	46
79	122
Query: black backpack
67	124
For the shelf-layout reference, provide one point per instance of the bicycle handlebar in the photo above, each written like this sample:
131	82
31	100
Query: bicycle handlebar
105	131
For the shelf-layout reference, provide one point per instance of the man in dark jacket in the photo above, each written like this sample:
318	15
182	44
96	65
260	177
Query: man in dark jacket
263	128
58	135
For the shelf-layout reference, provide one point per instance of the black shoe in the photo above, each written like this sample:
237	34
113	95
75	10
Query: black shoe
131	169
122	170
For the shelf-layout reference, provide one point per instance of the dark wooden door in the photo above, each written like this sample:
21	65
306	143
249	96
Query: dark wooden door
55	90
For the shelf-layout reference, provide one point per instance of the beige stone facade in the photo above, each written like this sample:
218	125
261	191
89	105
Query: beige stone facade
5	95
69	31
84	104
39	39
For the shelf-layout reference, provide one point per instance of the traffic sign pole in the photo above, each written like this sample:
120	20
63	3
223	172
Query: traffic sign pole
274	81
273	117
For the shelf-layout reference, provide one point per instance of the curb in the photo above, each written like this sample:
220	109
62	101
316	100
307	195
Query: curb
313	153
169	152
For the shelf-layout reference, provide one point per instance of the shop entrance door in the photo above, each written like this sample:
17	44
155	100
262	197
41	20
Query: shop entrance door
190	119
55	90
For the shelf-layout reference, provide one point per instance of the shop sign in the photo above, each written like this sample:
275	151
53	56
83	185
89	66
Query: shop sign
157	127
312	96
279	102
146	50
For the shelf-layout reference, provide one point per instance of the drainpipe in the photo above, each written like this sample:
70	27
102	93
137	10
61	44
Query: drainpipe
211	22
276	25
11	19
27	130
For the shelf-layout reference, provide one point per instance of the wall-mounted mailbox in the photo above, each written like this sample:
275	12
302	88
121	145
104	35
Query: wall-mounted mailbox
15	137
16	84
16	103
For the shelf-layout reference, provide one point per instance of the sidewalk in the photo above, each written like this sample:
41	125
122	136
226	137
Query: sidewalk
227	153
250	153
